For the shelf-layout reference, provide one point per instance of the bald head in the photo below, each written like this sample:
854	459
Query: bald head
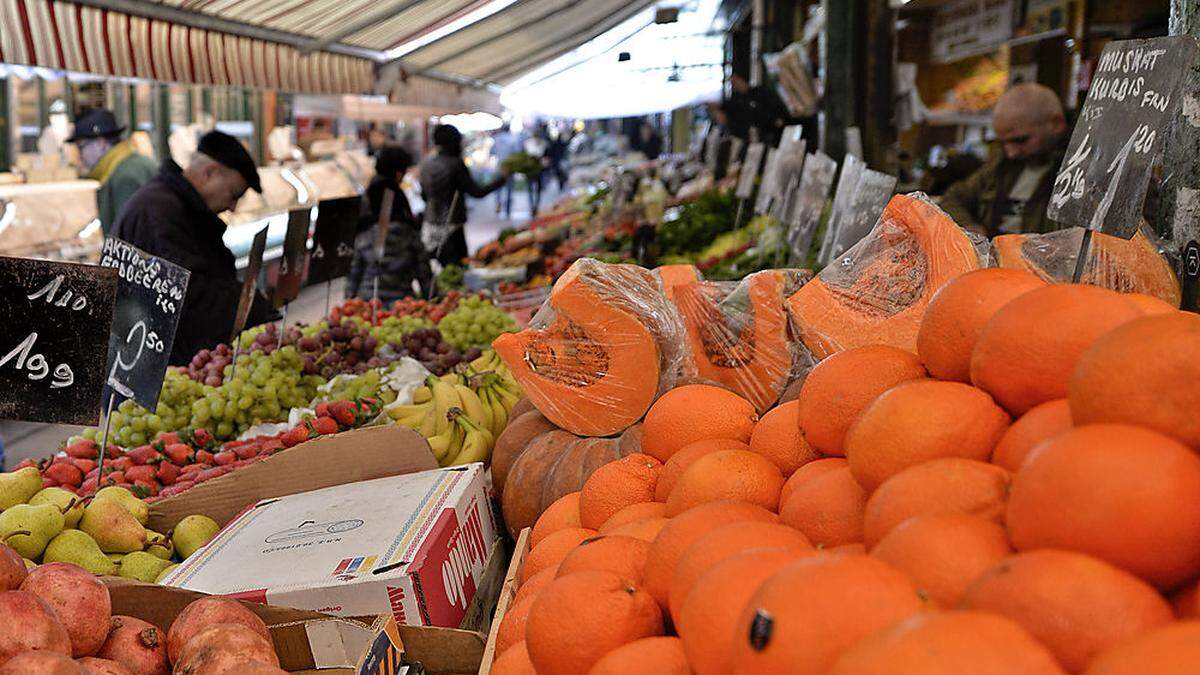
1028	121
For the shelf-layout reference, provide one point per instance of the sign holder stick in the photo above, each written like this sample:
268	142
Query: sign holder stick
385	217
737	220
237	350
328	294
282	325
1081	260
112	397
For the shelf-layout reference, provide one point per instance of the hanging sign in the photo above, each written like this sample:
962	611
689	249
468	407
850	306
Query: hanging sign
333	239
291	265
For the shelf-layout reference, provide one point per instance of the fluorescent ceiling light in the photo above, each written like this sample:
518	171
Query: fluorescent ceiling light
456	25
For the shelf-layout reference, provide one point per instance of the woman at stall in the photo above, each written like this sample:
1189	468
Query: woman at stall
445	184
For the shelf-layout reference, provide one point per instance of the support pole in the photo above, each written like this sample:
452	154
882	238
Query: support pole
1179	219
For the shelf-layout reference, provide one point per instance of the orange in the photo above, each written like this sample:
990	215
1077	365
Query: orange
514	661
1150	304
581	617
1123	494
551	551
613	486
729	474
684	458
1187	601
957	314
828	509
839	387
646	529
918	421
949	643
856	548
1027	352
943	553
722	543
512	626
1074	604
1040	424
804	616
695	412
683	530
707	619
804	473
777	437
625	556
648	656
560	515
1169	650
937	486
634	513
1147	372
534	584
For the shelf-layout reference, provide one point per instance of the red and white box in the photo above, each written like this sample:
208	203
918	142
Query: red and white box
414	546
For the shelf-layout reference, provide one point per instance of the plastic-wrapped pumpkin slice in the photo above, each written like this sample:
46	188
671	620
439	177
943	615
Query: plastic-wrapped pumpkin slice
877	292
677	276
606	344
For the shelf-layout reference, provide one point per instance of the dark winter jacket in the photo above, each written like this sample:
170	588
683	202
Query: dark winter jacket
404	257
441	177
168	218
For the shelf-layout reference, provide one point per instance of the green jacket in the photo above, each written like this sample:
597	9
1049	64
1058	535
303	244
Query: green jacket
121	171
973	202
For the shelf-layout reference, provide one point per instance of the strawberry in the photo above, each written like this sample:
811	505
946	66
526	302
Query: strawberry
172	490
179	453
83	449
168	437
144	454
167	473
24	463
324	425
145	488
64	474
345	412
49	482
201	437
224	458
272	444
230	445
89	486
121	463
204	457
85	465
193	469
247	451
115	478
141	472
295	436
322	409
114	451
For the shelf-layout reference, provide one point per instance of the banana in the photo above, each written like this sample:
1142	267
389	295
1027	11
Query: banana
506	396
477	443
499	412
428	427
447	444
473	406
444	398
422	395
410	415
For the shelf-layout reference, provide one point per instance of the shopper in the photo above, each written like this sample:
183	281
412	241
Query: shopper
505	143
536	146
445	184
556	156
650	143
404	258
174	216
119	167
1009	194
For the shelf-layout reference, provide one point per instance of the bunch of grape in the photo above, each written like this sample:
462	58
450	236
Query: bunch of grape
438	356
132	425
208	365
263	388
475	323
393	329
346	347
358	387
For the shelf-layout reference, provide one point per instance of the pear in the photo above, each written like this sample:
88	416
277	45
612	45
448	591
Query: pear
76	547
160	545
28	529
113	528
142	566
116	557
166	572
29	564
67	502
16	487
192	533
136	507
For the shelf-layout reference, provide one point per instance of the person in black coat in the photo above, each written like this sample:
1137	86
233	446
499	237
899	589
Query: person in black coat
175	217
445	184
404	257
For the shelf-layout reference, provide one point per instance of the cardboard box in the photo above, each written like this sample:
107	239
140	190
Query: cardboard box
415	546
512	582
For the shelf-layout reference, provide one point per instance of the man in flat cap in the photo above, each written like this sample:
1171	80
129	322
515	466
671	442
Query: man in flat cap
175	217
119	167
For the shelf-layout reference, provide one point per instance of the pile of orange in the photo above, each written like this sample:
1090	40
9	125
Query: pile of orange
1022	496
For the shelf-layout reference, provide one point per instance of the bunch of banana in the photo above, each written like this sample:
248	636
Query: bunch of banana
434	410
491	362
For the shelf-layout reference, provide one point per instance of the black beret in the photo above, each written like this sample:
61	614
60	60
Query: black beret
228	151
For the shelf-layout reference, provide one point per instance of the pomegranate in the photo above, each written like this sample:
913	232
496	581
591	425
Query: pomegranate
78	598
207	612
27	623
12	569
41	662
137	645
95	666
218	648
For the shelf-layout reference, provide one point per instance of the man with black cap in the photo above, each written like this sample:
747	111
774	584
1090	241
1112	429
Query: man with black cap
119	167
175	217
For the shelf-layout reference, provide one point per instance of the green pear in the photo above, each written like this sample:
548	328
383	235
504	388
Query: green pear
166	572
113	528
16	487
136	507
67	502
29	564
160	545
77	548
28	529
116	557
192	533
142	566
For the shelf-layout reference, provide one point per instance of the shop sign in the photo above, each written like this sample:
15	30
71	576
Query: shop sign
963	28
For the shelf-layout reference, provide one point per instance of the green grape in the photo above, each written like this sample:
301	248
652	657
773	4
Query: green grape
475	323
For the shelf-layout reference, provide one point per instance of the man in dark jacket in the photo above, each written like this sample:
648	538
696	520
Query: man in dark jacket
445	184
174	216
118	166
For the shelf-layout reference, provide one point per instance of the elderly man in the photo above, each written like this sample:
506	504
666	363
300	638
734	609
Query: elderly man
175	217
117	164
1009	193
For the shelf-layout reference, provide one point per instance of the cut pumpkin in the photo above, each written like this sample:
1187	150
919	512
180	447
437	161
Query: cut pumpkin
675	276
878	291
610	344
1123	265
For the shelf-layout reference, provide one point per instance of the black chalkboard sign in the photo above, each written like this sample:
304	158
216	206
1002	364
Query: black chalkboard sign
1134	98
809	202
333	239
250	283
150	293
291	265
54	324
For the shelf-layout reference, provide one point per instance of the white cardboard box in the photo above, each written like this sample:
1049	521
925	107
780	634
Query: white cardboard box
414	546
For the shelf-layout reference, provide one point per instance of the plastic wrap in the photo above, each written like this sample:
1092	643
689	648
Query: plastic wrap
603	347
877	292
1134	265
738	332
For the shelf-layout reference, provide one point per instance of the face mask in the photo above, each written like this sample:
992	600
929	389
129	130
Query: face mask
90	152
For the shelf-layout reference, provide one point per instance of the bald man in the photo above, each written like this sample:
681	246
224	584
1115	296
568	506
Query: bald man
1008	195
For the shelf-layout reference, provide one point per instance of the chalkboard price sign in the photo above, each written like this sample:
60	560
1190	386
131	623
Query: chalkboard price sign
54	326
871	196
291	265
750	167
250	283
333	239
1134	98
805	215
150	294
843	198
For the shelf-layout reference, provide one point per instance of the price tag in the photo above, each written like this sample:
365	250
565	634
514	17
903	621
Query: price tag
767	189
333	239
843	197
871	196
750	167
295	250
250	283
789	164
54	327
150	293
805	215
1134	98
